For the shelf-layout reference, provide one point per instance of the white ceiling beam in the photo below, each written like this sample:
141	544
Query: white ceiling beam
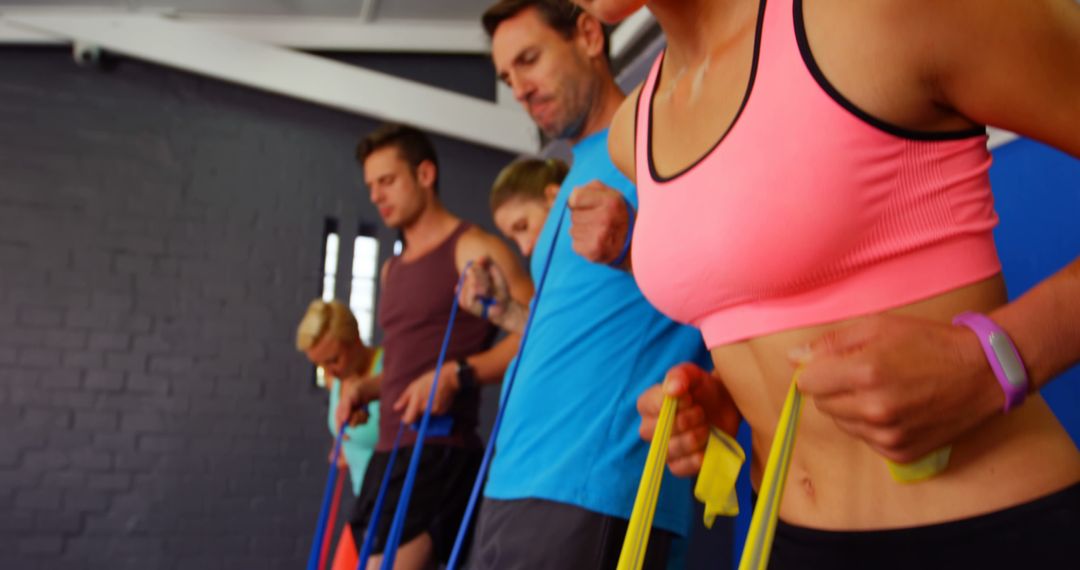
368	8
319	34
341	34
504	95
13	34
998	137
630	31
297	75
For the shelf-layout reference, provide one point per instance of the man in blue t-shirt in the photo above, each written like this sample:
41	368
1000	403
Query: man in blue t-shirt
568	456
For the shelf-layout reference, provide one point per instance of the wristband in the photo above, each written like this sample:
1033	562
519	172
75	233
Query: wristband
466	376
1002	355
617	263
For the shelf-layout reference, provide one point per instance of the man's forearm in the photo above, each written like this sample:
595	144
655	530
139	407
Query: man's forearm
490	366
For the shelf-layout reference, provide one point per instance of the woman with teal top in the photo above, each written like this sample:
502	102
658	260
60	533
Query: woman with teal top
359	440
329	336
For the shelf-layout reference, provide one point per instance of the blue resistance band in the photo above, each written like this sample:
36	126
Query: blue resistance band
486	304
398	526
440	426
328	496
490	449
373	524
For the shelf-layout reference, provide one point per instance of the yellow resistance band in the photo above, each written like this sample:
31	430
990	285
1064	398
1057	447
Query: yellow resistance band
924	468
755	554
637	532
716	483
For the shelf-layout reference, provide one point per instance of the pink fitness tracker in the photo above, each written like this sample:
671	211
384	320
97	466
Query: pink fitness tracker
1002	355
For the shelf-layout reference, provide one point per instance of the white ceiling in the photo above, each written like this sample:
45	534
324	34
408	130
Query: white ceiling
252	42
262	43
371	10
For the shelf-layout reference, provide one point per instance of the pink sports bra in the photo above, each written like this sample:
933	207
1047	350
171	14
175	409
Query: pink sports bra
808	210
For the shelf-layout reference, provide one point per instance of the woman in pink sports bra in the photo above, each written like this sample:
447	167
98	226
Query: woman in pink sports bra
813	190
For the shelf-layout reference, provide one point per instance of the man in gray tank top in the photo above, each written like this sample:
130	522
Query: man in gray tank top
416	296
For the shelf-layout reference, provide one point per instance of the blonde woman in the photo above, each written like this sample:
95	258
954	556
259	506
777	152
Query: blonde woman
329	337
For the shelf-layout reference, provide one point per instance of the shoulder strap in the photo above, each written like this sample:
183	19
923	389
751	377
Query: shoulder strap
641	120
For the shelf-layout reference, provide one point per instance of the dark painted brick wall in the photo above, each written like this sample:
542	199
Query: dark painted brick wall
160	234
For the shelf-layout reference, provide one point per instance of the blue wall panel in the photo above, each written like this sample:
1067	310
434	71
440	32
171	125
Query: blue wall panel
1037	193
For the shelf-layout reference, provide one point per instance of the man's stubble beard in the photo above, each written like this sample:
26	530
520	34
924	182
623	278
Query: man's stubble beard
582	106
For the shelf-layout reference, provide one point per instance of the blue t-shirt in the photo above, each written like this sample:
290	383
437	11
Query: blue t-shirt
570	429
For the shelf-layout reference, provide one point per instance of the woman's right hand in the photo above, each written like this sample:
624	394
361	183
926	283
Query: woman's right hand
703	403
342	463
356	394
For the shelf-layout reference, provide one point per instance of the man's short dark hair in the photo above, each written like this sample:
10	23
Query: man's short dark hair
412	144
559	15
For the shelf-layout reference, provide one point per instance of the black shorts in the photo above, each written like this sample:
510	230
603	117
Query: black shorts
1039	534
444	480
535	534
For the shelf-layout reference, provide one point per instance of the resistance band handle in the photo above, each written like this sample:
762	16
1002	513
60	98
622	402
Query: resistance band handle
715	487
720	468
920	469
440	426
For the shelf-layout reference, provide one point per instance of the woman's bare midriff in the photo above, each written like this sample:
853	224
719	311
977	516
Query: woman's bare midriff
837	482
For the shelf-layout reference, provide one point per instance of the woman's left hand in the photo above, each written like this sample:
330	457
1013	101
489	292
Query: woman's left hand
904	385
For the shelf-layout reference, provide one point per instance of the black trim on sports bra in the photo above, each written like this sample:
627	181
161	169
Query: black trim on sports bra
637	118
746	97
832	92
